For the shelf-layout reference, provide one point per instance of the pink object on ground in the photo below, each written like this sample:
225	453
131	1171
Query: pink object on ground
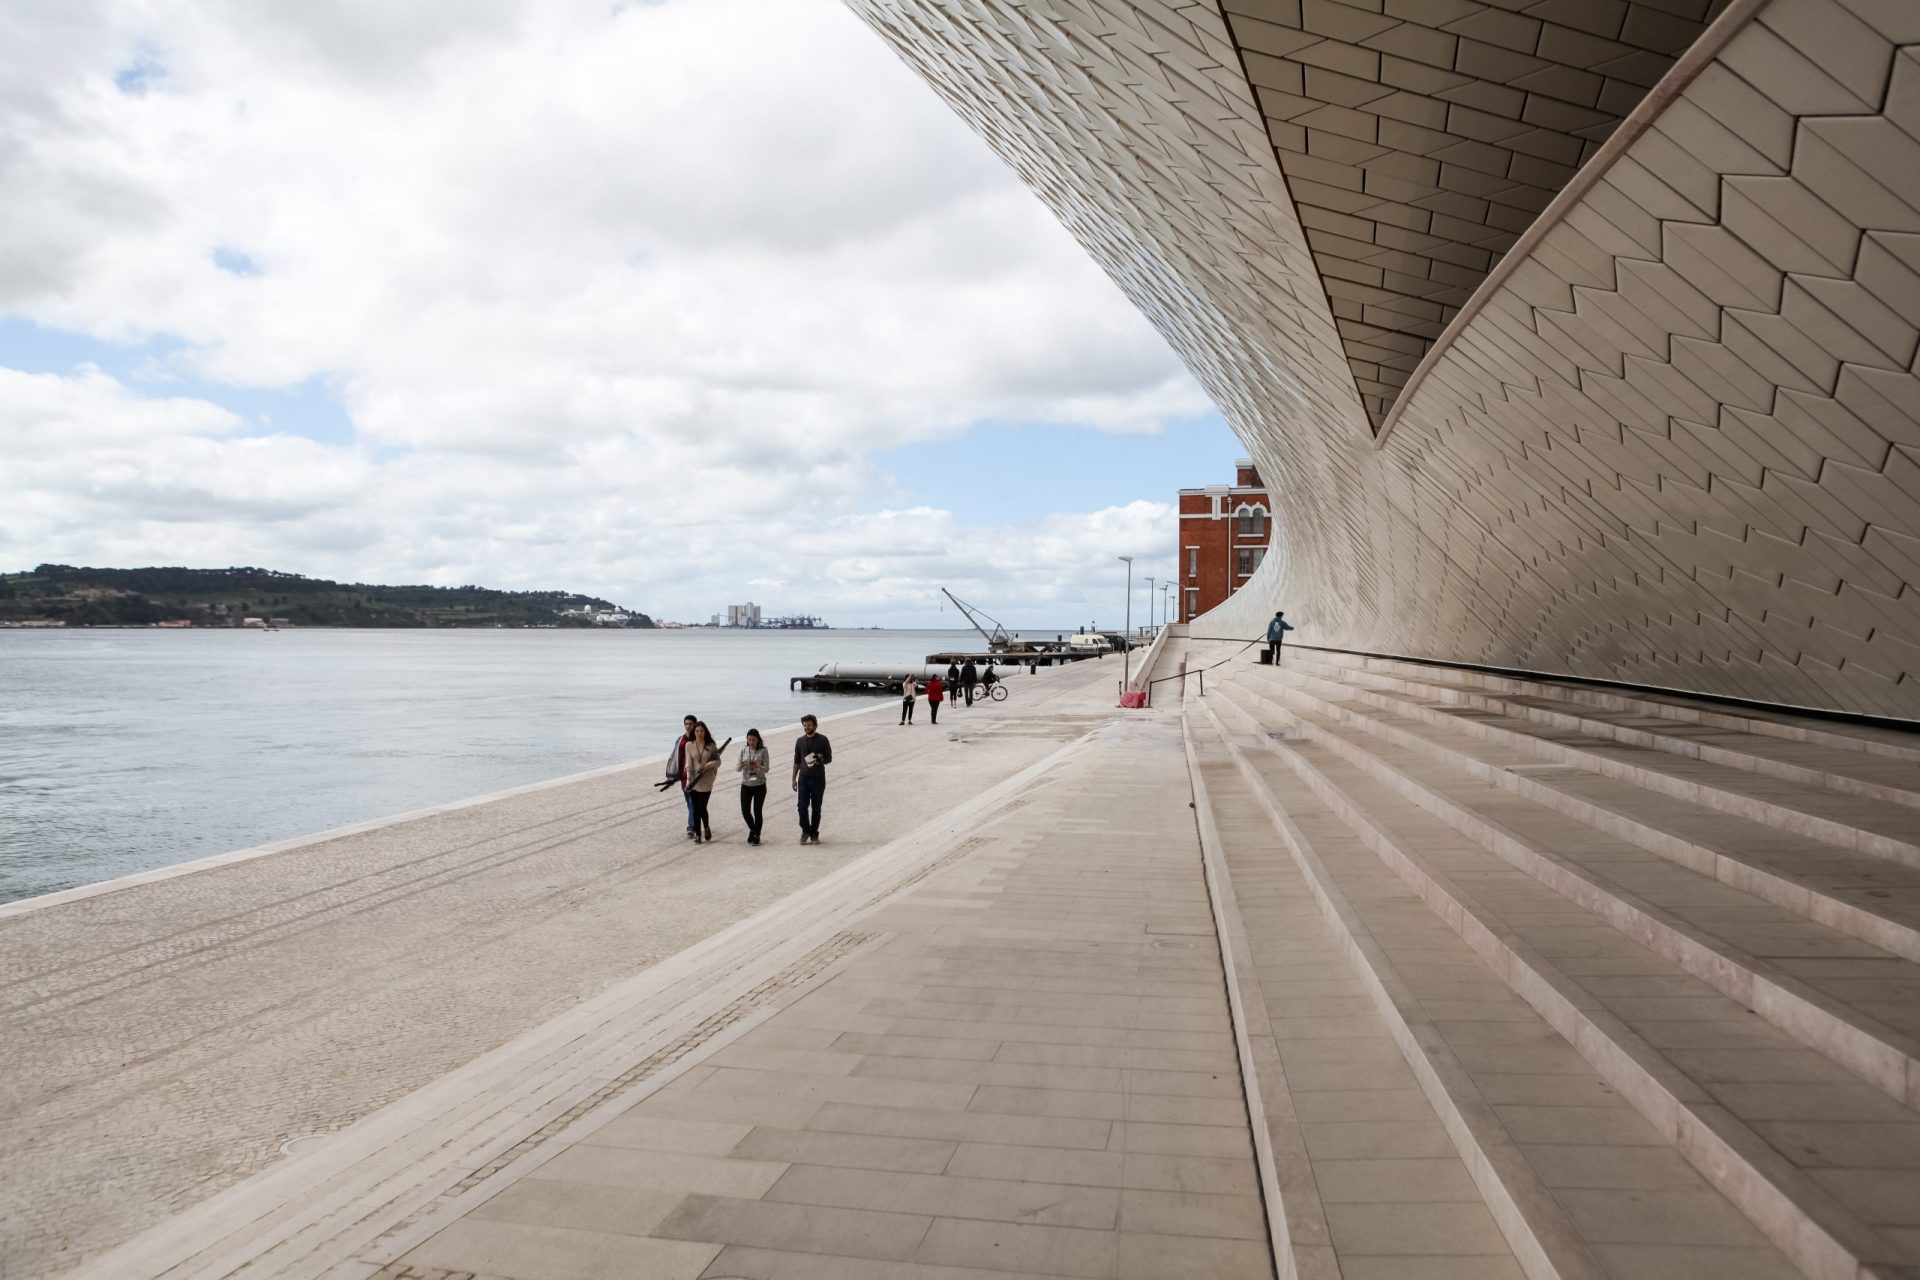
1134	698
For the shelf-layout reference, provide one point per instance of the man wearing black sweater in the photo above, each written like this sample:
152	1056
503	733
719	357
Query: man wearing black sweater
812	753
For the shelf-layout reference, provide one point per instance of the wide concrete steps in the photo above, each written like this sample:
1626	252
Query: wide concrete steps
1815	809
1852	760
1774	1052
1715	931
1860	894
1448	1097
1363	1169
1889	742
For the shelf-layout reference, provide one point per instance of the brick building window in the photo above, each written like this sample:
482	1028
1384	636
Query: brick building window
1193	562
1253	522
1247	559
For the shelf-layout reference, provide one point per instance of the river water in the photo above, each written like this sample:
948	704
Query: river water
125	750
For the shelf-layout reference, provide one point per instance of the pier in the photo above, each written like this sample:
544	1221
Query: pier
1355	967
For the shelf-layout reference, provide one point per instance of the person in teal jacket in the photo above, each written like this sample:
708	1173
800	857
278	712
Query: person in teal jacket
1276	633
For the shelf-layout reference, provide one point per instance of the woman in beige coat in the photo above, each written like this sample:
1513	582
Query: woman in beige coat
701	768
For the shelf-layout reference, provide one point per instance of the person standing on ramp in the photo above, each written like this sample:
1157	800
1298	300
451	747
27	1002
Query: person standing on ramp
1276	634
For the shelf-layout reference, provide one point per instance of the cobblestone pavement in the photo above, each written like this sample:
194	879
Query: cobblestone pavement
161	1042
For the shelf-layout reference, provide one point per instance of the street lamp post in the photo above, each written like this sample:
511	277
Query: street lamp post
1150	599
1126	654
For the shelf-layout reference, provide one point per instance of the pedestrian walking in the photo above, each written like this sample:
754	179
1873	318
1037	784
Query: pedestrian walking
753	764
953	680
677	766
703	766
909	690
1276	634
969	677
936	694
812	753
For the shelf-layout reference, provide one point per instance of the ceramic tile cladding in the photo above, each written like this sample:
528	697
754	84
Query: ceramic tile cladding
1420	138
1678	445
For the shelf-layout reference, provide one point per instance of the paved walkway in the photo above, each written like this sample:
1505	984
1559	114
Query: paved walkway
1347	1010
1034	1074
160	1042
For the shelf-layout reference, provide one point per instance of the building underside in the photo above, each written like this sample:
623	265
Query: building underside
1573	336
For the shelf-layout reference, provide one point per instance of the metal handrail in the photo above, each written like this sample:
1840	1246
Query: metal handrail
1182	674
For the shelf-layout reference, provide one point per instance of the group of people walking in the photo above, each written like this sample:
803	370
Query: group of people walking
961	682
695	761
695	764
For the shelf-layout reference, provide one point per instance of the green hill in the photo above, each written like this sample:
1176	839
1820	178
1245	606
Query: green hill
82	597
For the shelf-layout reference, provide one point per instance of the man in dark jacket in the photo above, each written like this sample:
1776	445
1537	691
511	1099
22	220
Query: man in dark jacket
677	766
1276	634
969	677
812	753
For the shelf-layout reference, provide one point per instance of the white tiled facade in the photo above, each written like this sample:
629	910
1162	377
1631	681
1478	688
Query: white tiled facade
1675	439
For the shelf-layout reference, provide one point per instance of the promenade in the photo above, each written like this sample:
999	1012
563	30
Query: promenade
1352	970
161	1042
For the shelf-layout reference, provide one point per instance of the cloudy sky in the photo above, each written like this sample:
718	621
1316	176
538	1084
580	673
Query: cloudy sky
677	303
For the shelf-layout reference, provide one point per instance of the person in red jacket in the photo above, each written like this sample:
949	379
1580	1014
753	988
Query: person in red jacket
936	694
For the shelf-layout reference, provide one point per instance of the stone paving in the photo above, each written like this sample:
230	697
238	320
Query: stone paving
1036	1075
1345	1017
160	1042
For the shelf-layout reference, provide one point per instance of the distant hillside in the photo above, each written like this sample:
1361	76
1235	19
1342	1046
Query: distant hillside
80	597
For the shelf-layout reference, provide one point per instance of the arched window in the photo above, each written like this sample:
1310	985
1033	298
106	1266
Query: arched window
1252	521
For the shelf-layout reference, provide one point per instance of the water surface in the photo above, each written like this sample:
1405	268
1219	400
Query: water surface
124	750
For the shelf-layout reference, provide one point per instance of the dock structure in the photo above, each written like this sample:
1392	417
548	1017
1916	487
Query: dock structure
1403	992
1048	657
878	678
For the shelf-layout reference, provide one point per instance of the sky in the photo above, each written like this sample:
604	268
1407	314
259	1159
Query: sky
679	304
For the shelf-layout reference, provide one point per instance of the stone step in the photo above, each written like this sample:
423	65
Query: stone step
1884	741
1863	896
1877	827
1358	1174
1581	1183
1716	932
1812	1155
1815	764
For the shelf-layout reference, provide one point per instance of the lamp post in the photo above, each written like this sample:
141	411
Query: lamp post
1150	599
1126	654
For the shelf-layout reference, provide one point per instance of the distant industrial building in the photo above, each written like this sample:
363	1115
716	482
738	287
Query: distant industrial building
743	615
1224	530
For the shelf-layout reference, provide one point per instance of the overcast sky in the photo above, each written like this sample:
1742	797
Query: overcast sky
679	303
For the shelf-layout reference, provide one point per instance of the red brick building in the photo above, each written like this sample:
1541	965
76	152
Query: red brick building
1223	537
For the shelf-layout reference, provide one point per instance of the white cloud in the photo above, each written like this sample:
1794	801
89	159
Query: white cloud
602	289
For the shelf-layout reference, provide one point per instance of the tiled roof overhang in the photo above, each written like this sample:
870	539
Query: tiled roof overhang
1420	138
1672	439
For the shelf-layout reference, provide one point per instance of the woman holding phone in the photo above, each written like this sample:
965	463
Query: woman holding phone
752	764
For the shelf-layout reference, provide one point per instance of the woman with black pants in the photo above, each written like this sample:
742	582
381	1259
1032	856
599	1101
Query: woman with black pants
703	766
752	765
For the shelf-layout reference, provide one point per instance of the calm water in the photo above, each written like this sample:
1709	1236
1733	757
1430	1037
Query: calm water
126	750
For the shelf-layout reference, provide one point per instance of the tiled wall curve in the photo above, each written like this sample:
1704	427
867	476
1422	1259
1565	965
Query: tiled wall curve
1679	445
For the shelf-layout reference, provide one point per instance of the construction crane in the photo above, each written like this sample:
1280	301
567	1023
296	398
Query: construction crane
997	640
